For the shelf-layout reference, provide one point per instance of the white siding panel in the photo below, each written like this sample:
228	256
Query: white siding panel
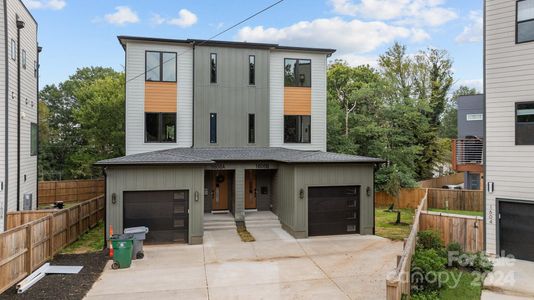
135	93
2	116
318	118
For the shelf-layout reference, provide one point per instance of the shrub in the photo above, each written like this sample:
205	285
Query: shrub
454	254
429	239
480	262
427	264
456	247
425	296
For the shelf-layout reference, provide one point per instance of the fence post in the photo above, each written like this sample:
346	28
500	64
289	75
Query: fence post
51	236
29	253
67	238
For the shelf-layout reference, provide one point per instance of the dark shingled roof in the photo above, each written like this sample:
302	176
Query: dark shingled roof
211	155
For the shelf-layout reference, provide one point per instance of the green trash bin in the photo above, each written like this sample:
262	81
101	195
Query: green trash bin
122	250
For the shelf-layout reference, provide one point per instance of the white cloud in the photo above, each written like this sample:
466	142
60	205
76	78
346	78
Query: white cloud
122	16
45	4
419	35
419	12
185	19
472	33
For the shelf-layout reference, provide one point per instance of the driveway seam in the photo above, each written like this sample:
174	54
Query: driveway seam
205	271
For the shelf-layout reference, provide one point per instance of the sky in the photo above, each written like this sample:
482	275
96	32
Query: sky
80	33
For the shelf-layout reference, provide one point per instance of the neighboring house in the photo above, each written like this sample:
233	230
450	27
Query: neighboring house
231	127
509	80
18	109
468	149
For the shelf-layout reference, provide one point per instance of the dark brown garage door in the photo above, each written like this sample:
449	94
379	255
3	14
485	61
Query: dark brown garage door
163	212
516	229
333	210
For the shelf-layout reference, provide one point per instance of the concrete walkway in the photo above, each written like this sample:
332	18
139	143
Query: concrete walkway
510	280
276	266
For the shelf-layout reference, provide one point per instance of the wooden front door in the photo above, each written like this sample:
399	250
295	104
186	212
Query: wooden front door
219	188
250	189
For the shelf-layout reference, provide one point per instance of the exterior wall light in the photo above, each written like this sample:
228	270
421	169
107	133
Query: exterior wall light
301	194
369	192
197	197
114	198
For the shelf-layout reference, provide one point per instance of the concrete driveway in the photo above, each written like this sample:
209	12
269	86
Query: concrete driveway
276	266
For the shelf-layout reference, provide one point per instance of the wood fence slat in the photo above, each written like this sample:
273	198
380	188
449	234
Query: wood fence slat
69	190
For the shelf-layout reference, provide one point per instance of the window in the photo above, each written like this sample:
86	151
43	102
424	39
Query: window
160	127
524	124
13	50
213	68
34	139
160	66
297	72
23	59
525	21
251	128
213	128
297	129
252	70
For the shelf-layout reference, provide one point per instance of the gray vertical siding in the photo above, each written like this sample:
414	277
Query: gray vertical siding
283	195
232	98
121	179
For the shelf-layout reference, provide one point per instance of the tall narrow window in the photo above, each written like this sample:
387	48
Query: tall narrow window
23	59
213	67
160	66
160	127
297	72
251	128
524	123
34	139
252	70
297	129
13	50
525	21
213	128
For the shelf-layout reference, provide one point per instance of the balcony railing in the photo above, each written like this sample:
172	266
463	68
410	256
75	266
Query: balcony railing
468	154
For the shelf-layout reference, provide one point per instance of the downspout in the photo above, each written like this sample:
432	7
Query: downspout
105	208
20	25
6	163
193	102
39	49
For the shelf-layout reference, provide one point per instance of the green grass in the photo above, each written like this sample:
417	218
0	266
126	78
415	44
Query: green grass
468	288
458	212
92	241
385	226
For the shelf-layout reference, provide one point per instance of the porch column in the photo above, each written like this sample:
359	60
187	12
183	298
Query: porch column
239	194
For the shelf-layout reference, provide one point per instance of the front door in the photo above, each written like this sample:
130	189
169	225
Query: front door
219	188
250	189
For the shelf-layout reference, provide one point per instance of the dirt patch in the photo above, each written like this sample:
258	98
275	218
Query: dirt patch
244	234
59	286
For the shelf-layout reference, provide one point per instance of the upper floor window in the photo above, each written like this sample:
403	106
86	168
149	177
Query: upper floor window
251	128
525	21
297	72
34	133
252	70
297	129
160	127
13	50
213	68
23	59
524	123
213	128
160	66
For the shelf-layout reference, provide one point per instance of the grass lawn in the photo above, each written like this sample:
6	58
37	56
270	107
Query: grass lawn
469	287
459	212
385	226
92	241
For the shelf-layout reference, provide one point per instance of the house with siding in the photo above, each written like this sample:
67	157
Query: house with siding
509	127
217	128
19	75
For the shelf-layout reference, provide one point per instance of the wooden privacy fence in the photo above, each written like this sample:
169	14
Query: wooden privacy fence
69	190
439	182
26	246
456	199
408	198
468	231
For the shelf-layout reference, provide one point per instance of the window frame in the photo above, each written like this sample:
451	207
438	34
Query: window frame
213	128
296	69
252	70
160	128
161	63
13	50
517	123
214	78
517	22
251	128
23	58
299	119
34	140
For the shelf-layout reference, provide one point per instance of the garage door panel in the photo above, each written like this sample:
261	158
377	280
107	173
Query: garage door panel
516	229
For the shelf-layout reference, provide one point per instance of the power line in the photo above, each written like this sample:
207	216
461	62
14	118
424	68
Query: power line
211	38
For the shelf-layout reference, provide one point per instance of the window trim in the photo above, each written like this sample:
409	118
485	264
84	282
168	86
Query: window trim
161	66
253	71
252	129
23	58
13	50
311	71
284	128
517	22
213	139
36	126
160	127
516	122
216	68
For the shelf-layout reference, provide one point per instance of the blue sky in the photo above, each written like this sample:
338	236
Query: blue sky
78	33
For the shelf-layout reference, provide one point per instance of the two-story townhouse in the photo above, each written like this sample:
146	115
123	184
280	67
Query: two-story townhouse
19	75
231	127
509	85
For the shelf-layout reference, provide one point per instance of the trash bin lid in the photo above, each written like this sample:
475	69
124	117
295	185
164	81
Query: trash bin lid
140	229
122	236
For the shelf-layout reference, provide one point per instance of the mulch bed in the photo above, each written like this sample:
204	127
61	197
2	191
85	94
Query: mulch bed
65	286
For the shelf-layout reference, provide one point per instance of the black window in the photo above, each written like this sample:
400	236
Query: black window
34	139
525	21
213	128
297	72
297	129
160	66
251	128
252	70
524	123
23	59
13	50
213	67
160	127
35	68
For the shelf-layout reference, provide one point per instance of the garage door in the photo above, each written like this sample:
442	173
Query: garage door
516	229
333	210
163	212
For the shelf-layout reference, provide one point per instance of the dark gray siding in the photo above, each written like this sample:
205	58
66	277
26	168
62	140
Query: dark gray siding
470	105
232	98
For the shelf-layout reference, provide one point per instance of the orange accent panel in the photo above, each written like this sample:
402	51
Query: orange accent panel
297	101
160	96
